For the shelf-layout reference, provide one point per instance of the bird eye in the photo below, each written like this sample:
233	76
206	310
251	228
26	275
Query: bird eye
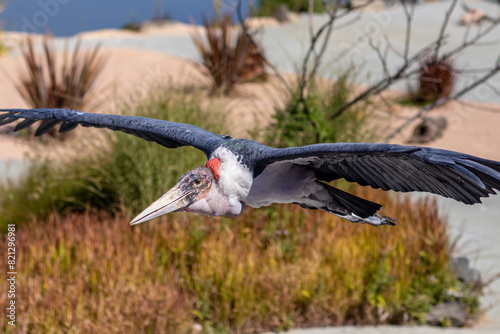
197	182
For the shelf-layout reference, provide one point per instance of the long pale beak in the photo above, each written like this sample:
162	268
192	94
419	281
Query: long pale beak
171	201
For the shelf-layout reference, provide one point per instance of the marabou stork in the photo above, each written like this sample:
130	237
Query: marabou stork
243	172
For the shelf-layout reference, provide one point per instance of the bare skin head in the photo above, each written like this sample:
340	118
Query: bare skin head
197	191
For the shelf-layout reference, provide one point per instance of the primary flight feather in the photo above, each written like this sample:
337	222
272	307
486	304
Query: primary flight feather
242	172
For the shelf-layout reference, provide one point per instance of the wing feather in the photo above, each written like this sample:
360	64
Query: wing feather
46	126
66	126
462	177
24	124
6	120
168	134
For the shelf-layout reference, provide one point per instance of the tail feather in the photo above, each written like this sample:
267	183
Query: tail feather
375	220
359	206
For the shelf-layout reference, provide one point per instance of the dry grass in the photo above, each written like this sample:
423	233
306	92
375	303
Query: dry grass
85	274
268	269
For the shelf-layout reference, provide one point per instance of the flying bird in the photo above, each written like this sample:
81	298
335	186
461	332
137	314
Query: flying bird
242	172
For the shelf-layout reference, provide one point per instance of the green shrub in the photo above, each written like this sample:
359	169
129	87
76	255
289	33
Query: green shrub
132	26
267	7
309	121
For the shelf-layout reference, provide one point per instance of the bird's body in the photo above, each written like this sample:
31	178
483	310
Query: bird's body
242	172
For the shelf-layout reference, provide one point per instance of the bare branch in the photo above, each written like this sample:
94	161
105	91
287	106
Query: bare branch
319	56
472	70
466	34
381	57
250	36
328	25
348	23
442	101
326	29
474	40
404	70
310	16
393	49
492	88
384	83
443	28
409	19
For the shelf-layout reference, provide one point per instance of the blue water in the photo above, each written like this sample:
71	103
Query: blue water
68	17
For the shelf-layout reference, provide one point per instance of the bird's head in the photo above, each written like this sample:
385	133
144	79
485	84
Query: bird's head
197	191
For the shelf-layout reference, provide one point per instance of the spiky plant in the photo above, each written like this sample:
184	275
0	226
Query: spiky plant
436	79
229	62
52	82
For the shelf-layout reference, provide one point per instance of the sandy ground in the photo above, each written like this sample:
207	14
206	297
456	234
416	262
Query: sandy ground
473	128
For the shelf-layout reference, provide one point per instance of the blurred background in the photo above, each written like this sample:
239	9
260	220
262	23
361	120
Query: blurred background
291	73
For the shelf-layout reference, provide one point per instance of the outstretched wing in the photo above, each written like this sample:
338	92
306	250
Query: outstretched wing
462	177
168	134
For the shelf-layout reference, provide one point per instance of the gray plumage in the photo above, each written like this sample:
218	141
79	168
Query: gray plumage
168	134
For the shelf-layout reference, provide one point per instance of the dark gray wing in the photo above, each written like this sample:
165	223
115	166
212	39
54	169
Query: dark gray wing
462	177
168	134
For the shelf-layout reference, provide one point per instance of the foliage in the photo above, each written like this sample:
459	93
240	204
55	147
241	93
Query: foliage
132	26
228	62
267	7
309	121
268	269
48	84
126	173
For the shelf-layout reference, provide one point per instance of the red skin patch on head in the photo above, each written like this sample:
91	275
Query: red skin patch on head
213	165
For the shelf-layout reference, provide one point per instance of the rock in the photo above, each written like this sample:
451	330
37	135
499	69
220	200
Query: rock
281	13
452	313
429	129
461	266
472	16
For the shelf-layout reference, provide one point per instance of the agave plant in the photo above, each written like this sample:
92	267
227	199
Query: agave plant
229	62
48	84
